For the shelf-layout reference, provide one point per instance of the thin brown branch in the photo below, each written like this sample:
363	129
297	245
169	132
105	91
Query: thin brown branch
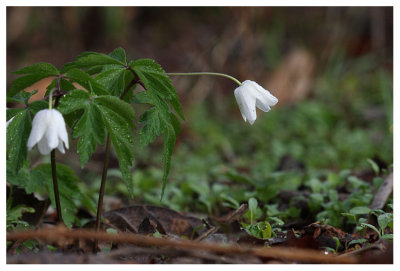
383	193
292	254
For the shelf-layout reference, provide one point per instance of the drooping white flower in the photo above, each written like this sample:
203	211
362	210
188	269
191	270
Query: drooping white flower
251	95
48	132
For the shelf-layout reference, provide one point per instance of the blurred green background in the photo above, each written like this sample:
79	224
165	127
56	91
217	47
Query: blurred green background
330	67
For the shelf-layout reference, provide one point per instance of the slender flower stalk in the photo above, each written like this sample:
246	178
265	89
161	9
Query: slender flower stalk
55	186
206	73
53	162
105	169
102	189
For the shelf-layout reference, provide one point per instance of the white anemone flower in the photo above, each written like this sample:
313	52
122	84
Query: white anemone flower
251	95
48	132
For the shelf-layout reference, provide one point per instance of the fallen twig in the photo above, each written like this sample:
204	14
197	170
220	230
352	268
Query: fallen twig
383	193
292	254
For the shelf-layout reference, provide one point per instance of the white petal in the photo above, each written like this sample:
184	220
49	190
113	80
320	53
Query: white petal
263	106
43	147
61	147
246	102
240	103
39	126
61	128
265	96
52	136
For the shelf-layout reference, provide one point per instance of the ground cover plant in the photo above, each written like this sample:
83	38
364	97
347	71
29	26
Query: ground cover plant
134	176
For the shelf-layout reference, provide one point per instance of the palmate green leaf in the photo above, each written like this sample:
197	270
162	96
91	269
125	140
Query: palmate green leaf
69	191
23	82
113	80
86	81
156	81
169	137
159	119
142	97
74	100
36	106
24	179
34	74
121	139
17	137
42	68
151	126
122	108
119	54
89	125
90	130
92	59
11	112
22	97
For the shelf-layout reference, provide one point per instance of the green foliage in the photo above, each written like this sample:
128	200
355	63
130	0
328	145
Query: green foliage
261	230
121	138
113	80
252	209
159	119
14	214
157	83
32	75
100	112
39	68
90	130
18	132
123	109
374	166
90	59
86	81
21	97
356	241
74	100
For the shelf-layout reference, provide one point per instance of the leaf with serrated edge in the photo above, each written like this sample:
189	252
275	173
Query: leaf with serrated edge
17	137
156	81
36	106
121	139
41	68
74	100
69	191
91	59
119	54
90	130
113	80
86	81
169	144
151	126
120	107
23	82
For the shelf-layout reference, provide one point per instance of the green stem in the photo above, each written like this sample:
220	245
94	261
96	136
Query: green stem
206	73
55	185
51	98
104	174
53	160
102	189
